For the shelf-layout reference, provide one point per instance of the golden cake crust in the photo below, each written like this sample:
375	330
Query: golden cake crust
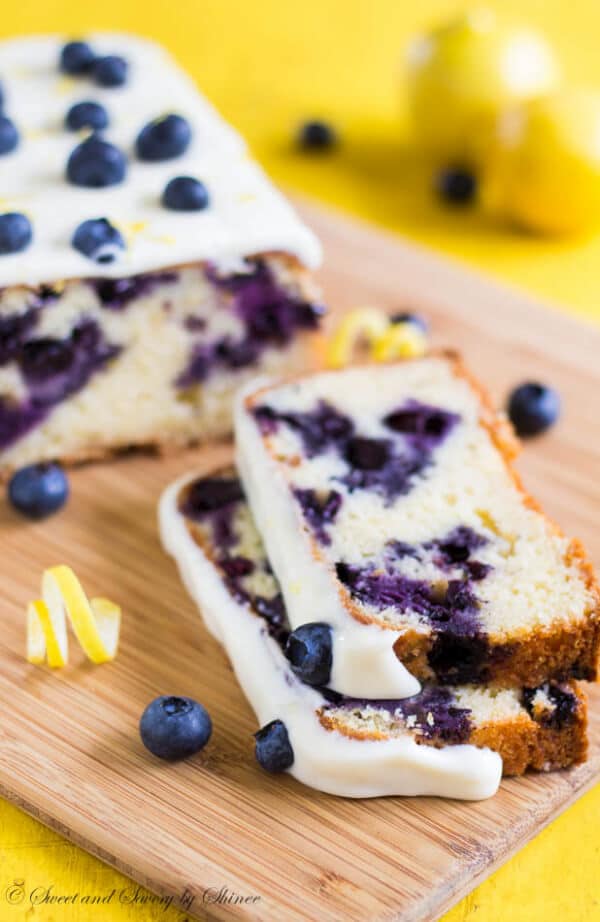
522	742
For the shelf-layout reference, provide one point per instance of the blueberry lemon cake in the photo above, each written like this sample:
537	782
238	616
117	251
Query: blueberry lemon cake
391	512
446	740
147	266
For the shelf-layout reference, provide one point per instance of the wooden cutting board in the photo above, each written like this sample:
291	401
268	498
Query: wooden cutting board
69	747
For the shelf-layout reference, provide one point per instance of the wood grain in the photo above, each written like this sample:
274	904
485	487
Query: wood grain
69	748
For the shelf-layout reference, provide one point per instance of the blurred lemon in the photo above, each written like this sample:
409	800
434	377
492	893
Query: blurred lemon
544	172
460	76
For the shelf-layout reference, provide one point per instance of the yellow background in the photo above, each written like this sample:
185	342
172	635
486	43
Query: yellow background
268	64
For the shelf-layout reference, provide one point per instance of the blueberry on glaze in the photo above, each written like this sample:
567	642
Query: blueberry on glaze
15	233
38	490
86	114
273	749
164	138
533	408
184	193
174	728
76	58
456	186
98	240
316	135
309	651
110	70
2	97
9	136
95	164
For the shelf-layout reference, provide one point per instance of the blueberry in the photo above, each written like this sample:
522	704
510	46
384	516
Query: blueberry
110	70
184	193
98	240
316	135
15	232
407	317
2	97
9	136
163	138
39	490
309	651
175	728
86	114
456	186
533	408
273	749
76	58
95	164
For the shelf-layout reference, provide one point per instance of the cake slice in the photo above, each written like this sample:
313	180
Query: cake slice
438	742
390	510
150	269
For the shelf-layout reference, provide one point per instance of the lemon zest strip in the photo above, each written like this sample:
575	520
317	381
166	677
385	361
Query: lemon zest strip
364	322
96	622
386	340
400	341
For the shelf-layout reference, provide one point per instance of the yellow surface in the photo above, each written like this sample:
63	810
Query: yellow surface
268	64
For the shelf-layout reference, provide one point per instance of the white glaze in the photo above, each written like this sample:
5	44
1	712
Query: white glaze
246	214
364	663
323	759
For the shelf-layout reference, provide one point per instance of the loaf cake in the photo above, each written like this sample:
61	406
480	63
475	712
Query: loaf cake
446	740
147	265
390	510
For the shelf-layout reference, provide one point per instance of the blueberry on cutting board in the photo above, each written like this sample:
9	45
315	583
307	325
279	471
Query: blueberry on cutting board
38	490
174	727
533	408
273	749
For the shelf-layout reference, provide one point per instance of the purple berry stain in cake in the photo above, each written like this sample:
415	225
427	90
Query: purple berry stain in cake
117	294
214	501
433	714
53	370
319	430
562	709
270	316
387	466
319	511
460	650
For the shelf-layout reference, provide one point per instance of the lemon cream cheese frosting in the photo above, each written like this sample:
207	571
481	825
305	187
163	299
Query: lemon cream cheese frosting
447	741
245	214
147	265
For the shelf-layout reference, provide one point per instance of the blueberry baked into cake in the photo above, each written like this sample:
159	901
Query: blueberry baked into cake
447	740
147	266
390	511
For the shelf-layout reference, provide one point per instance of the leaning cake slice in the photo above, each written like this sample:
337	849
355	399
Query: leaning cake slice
391	512
147	265
447	741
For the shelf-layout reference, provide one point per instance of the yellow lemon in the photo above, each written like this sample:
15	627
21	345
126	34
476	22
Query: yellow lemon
544	172
460	76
